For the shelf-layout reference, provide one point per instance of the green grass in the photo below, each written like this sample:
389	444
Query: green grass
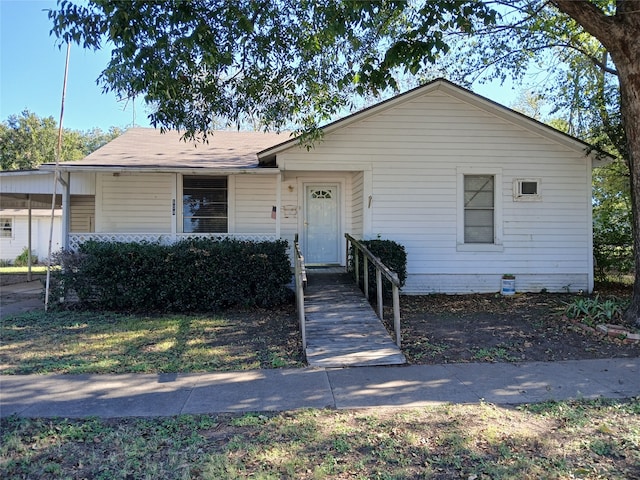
90	342
23	270
555	440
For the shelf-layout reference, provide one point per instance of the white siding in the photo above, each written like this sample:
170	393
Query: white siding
42	182
358	206
255	196
11	247
83	213
415	150
136	203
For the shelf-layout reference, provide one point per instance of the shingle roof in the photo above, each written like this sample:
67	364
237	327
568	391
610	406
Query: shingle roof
148	148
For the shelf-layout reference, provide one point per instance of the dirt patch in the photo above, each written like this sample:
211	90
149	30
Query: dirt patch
496	328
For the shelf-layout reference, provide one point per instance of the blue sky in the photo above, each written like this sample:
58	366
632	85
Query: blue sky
32	74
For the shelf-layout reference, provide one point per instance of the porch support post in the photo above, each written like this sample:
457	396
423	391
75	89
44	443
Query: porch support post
66	209
278	203
29	230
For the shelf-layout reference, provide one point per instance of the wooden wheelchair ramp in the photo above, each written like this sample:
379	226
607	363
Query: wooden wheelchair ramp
342	328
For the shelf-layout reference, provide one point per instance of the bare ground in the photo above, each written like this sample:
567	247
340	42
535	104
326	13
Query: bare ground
492	327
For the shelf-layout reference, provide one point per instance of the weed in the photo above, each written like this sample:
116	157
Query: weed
604	448
249	420
493	354
341	445
23	259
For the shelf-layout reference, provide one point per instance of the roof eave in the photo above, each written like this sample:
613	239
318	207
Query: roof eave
158	169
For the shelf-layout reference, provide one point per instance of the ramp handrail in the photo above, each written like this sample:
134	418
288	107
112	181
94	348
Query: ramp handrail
300	274
381	269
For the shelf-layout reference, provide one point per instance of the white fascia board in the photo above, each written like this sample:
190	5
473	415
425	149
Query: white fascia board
24	173
183	170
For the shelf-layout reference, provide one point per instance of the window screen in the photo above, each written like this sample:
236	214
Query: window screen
479	208
204	204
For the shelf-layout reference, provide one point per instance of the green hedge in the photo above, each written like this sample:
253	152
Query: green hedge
391	253
192	275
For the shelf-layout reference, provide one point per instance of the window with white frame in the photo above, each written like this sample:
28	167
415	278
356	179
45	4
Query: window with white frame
6	227
526	189
479	203
204	204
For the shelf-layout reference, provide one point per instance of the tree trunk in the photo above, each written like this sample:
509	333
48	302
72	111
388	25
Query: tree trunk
620	35
630	107
627	61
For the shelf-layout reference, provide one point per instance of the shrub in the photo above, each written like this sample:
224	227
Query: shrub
192	275
391	254
22	260
612	239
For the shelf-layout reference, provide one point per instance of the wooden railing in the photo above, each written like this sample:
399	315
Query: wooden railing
381	270
300	274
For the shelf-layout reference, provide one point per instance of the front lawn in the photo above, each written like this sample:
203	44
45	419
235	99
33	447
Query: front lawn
40	269
564	440
435	329
90	342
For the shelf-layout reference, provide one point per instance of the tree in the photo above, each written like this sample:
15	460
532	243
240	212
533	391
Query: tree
617	27
27	141
574	80
301	61
287	63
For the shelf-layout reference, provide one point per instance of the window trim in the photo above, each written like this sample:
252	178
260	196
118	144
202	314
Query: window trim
518	196
180	202
10	230
497	245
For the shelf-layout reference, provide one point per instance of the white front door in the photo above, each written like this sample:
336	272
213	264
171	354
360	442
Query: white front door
322	225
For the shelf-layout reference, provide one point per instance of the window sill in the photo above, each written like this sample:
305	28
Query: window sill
479	247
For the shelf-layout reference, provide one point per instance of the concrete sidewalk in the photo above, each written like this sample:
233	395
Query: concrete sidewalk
278	390
19	298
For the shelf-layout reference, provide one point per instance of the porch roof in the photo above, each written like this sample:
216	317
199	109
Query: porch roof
148	149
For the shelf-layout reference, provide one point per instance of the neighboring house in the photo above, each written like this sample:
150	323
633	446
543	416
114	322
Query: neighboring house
25	211
473	190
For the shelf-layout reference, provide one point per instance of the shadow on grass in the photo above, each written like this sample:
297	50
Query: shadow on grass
89	342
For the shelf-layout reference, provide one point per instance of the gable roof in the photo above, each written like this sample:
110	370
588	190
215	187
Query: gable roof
267	156
148	149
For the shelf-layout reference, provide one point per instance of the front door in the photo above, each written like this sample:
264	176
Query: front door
322	224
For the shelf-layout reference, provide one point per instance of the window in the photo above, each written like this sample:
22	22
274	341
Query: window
6	227
526	189
204	204
479	194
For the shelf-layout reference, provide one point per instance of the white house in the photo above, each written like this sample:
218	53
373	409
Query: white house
473	190
25	215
